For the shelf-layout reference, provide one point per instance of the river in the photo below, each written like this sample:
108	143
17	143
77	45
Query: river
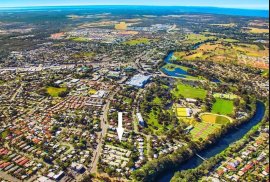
224	142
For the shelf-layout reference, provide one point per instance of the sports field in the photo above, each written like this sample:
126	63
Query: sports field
215	119
182	112
223	107
189	92
202	130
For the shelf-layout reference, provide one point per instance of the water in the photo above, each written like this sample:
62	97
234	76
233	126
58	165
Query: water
224	142
177	72
146	10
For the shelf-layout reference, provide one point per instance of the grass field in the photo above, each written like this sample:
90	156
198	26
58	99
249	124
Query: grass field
54	91
137	41
189	91
153	122
196	38
223	106
202	130
215	119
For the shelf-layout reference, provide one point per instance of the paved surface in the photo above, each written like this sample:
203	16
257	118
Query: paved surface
104	126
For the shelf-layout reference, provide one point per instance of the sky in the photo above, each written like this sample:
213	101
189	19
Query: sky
244	4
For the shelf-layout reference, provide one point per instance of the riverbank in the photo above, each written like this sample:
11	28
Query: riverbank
224	142
207	168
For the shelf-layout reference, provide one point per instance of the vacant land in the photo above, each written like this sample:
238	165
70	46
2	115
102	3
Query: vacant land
188	91
54	91
223	106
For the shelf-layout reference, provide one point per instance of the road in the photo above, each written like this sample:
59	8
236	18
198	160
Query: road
16	93
104	126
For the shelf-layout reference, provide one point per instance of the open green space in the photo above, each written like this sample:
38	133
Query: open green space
223	106
188	91
153	121
54	91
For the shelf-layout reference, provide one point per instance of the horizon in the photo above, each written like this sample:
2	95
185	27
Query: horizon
248	4
52	6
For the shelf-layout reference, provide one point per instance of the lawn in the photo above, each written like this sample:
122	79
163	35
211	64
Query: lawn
189	92
223	106
54	91
137	41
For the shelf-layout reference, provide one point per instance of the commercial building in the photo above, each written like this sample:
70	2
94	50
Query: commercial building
139	80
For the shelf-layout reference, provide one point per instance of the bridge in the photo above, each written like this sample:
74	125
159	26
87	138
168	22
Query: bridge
204	159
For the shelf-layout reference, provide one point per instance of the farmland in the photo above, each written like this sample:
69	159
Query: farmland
240	53
258	30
